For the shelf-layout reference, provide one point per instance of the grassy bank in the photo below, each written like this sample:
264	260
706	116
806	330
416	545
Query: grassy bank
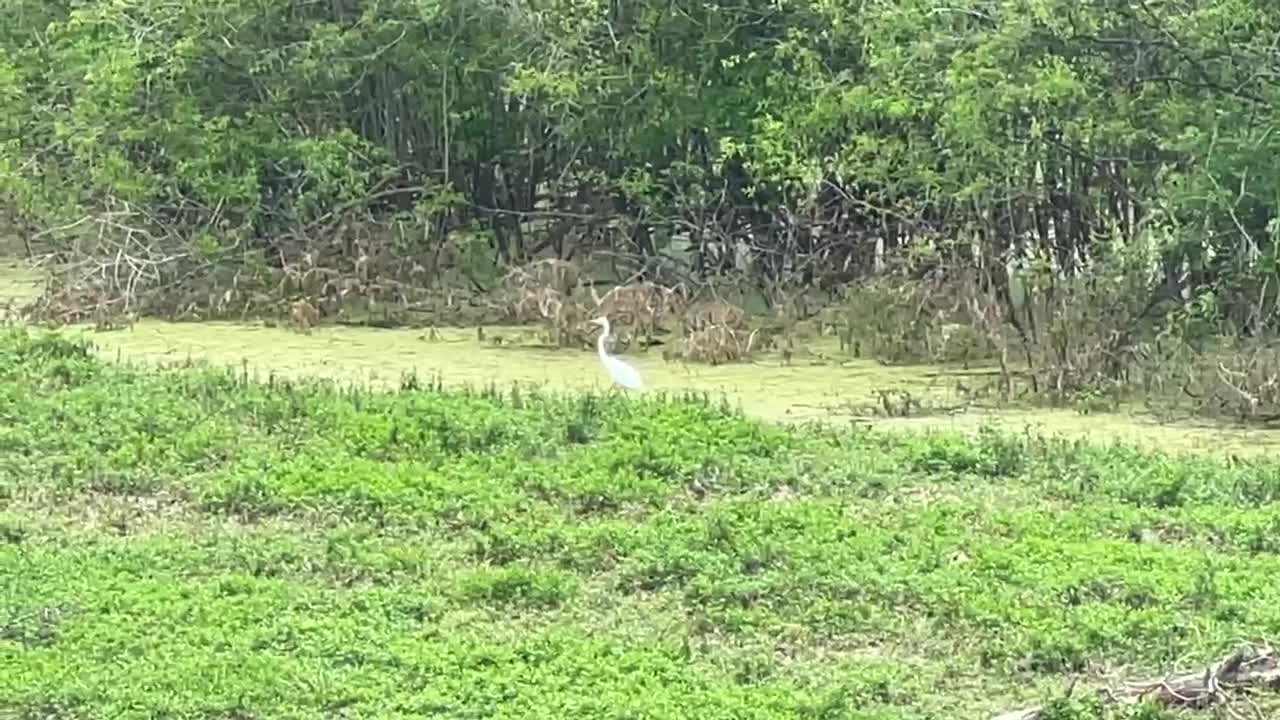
190	544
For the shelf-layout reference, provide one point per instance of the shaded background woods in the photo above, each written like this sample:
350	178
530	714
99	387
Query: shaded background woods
1072	182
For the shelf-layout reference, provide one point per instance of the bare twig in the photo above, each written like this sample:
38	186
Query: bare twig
1252	667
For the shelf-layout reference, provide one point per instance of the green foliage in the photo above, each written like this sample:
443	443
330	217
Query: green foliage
301	548
988	128
1068	708
891	320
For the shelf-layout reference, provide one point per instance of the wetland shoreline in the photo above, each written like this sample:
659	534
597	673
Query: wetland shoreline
830	389
822	385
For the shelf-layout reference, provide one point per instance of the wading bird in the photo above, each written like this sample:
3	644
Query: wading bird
619	372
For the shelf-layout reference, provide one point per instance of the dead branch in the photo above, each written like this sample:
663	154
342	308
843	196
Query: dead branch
1252	667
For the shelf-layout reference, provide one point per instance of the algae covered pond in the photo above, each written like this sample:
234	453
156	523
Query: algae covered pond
821	386
18	282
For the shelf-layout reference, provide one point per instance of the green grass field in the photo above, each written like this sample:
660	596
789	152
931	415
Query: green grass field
190	543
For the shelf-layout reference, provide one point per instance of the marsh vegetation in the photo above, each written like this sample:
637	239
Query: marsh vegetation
399	488
1081	197
187	542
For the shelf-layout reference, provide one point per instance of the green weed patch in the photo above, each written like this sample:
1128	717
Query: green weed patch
188	543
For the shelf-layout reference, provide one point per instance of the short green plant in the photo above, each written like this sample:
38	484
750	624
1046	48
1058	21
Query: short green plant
184	542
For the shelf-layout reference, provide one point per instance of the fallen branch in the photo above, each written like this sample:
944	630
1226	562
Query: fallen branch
1253	667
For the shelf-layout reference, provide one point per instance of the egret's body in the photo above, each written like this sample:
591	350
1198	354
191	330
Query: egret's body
620	372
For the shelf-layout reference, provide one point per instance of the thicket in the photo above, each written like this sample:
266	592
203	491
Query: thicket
1090	187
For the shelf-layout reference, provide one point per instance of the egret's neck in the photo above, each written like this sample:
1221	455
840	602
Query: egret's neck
600	341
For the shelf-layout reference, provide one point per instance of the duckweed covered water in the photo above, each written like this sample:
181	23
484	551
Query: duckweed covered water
824	386
820	385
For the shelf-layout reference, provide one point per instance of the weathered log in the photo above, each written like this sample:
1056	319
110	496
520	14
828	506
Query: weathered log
1254	667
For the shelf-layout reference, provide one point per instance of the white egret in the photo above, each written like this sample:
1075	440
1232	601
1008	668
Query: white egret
619	371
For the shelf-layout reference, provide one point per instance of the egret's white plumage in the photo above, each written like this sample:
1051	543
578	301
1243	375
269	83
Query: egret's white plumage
619	371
